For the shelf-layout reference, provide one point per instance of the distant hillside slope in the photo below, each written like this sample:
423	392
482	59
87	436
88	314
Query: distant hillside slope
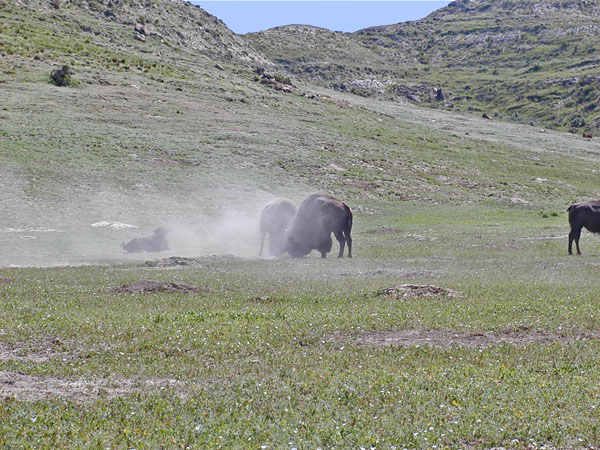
116	34
532	62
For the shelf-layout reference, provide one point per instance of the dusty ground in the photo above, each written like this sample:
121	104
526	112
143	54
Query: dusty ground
447	338
151	286
26	387
415	290
39	353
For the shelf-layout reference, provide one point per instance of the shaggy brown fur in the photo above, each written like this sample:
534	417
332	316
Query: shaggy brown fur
583	214
319	216
156	242
275	220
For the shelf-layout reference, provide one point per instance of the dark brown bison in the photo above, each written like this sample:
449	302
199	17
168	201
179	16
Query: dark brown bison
275	220
587	135
156	242
583	214
319	216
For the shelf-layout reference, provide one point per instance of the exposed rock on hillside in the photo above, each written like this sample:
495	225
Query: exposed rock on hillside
527	61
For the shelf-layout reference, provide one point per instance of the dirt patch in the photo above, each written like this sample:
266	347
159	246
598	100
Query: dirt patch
38	352
449	339
24	387
151	286
173	261
416	290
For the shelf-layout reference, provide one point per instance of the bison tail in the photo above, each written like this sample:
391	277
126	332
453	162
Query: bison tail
349	222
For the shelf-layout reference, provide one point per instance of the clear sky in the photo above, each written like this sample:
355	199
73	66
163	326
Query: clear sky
245	16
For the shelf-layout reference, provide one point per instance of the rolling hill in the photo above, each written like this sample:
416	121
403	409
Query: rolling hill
531	62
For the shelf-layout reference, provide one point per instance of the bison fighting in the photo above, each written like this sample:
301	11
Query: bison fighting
583	214
319	216
156	242
275	220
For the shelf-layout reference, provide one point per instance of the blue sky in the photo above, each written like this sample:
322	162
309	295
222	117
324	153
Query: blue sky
244	16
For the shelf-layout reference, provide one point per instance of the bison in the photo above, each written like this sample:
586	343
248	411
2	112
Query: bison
319	216
583	214
156	242
276	219
587	135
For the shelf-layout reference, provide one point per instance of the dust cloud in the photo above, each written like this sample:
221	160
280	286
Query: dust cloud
90	229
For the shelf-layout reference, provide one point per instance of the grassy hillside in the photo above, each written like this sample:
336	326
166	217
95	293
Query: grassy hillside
525	62
459	323
102	34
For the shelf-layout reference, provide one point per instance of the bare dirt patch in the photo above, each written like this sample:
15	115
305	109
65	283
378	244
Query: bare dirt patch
449	339
38	352
26	387
173	261
151	286
415	290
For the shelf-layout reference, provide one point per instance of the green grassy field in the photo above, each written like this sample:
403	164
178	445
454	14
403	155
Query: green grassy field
460	322
307	353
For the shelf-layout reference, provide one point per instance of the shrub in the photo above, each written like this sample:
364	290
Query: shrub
62	76
283	79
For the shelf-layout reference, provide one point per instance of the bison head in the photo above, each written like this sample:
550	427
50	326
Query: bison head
295	248
160	231
277	244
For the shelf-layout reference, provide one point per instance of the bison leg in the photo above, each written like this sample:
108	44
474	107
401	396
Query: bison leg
574	235
262	242
349	242
342	240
